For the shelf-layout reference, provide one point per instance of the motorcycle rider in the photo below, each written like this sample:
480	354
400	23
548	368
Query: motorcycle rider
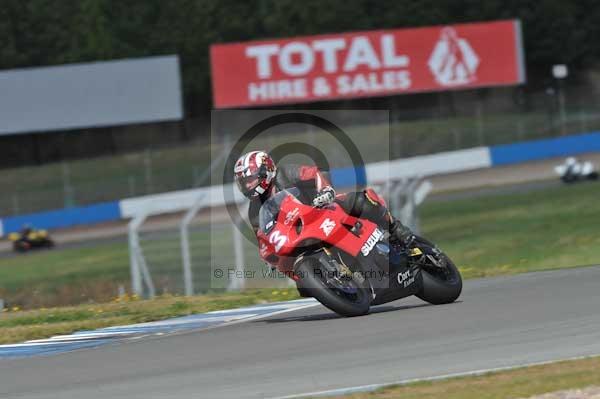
258	178
26	229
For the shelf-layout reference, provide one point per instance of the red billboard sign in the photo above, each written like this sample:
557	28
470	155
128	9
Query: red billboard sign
367	64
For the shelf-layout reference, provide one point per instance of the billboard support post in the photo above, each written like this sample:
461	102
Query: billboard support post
561	103
560	72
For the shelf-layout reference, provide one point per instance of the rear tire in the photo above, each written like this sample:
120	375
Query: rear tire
314	286
438	289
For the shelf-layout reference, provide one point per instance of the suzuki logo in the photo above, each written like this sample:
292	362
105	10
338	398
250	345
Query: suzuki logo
453	61
371	241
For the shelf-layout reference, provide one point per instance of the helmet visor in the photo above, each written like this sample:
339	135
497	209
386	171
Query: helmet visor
247	185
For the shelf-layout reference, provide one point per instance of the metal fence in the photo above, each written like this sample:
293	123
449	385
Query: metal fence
211	251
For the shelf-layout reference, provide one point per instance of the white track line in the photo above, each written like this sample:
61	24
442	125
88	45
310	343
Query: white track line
230	323
91	335
374	387
262	316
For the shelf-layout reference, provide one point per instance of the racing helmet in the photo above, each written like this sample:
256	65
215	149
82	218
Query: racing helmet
254	173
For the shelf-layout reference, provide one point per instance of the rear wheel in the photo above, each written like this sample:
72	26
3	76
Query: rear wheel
441	284
346	296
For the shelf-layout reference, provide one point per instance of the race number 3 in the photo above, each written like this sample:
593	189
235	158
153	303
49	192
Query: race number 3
278	240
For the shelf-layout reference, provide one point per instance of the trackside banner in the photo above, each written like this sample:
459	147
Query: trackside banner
366	64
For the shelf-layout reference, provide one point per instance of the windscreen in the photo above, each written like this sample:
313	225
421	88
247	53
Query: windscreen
269	211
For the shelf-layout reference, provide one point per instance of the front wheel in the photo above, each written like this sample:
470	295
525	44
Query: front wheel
345	296
441	283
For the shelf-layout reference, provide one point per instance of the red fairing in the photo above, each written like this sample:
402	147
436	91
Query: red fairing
296	223
313	173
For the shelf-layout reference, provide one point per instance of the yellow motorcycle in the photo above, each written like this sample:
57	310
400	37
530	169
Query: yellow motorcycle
31	239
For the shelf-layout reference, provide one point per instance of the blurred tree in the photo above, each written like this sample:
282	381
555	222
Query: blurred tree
46	32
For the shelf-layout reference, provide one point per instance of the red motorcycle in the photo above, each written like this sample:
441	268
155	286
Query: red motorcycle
347	263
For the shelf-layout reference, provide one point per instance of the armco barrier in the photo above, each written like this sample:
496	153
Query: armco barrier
178	201
349	177
446	162
428	165
68	217
541	149
174	201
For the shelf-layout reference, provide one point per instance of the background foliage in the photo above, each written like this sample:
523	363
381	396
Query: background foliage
48	32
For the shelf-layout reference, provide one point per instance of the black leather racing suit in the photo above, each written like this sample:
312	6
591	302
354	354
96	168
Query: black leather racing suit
311	181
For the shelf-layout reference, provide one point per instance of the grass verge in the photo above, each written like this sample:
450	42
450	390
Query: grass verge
518	383
64	276
515	233
18	326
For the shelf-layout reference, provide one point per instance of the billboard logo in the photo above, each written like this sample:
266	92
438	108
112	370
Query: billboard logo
367	64
453	61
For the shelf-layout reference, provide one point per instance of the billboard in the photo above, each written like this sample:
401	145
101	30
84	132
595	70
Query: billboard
90	95
367	64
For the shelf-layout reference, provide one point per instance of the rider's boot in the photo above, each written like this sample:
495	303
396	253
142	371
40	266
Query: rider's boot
399	233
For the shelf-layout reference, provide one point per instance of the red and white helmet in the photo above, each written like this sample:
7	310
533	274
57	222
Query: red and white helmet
254	173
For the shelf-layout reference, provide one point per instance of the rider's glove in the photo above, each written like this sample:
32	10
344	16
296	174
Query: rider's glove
325	197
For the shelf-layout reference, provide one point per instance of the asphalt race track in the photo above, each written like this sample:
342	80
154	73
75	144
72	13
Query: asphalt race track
499	322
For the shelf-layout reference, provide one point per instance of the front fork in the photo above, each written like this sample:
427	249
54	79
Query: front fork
427	254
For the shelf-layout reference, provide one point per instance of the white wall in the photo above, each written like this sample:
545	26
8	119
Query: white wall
177	201
445	162
429	165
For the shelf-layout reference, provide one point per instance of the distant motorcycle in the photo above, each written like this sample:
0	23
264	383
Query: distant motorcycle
573	171
29	240
347	263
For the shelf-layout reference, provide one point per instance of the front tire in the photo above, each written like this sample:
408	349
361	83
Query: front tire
310	272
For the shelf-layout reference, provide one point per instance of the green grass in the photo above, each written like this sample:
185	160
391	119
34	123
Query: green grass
64	276
519	383
17	325
546	229
71	276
